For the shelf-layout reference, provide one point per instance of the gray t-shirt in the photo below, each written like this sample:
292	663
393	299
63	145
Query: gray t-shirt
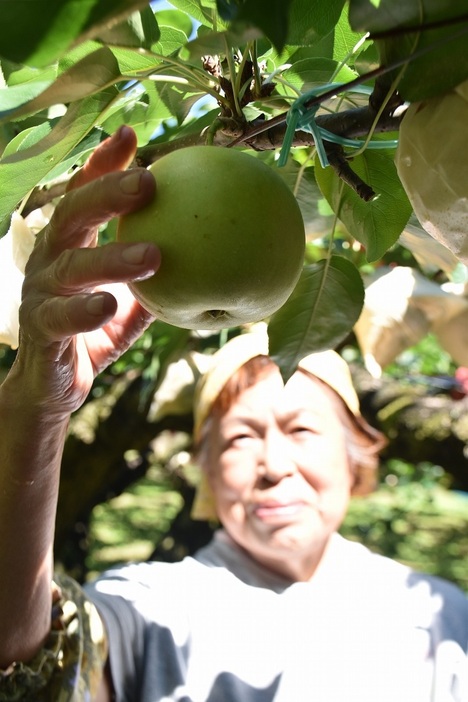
220	628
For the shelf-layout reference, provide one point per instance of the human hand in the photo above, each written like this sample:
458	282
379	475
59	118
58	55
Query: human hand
77	314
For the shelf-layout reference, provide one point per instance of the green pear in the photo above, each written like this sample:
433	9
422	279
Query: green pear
231	237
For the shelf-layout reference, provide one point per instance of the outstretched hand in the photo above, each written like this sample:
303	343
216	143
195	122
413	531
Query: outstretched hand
77	313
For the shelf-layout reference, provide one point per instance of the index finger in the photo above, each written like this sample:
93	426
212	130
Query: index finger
113	154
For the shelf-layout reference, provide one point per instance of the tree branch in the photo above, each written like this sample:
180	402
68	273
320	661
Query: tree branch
339	163
352	123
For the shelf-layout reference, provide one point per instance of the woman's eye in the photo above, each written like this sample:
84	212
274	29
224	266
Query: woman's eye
303	431
239	440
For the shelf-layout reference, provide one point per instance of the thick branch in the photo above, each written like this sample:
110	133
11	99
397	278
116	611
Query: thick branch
353	123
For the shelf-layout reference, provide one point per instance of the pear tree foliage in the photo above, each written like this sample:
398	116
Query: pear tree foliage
318	90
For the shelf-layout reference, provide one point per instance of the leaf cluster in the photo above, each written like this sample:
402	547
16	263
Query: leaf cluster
227	72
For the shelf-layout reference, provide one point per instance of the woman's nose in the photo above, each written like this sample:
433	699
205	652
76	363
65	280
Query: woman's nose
277	459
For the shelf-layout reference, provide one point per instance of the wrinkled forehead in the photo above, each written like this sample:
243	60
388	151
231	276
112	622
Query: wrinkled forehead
245	377
258	386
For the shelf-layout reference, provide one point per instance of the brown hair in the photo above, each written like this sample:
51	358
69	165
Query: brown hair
363	442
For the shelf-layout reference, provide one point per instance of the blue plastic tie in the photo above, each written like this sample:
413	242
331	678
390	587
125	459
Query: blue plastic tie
301	117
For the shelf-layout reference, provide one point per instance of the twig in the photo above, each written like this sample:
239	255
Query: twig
337	161
42	196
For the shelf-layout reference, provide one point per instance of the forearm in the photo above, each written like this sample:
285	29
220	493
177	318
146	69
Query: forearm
71	329
31	444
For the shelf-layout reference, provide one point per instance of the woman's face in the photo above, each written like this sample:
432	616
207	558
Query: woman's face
280	472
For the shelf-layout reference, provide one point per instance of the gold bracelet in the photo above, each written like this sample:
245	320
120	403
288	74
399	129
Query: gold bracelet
69	666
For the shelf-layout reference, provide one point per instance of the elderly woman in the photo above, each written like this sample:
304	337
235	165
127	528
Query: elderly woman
279	606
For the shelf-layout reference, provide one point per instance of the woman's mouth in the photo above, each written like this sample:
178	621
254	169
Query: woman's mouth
274	511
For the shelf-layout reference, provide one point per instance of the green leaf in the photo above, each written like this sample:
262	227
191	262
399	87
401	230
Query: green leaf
345	41
19	75
383	15
203	11
176	19
439	61
12	98
320	313
144	112
133	64
311	73
376	224
77	156
337	45
37	33
27	138
368	60
210	43
437	70
310	21
229	9
139	30
76	54
90	75
179	99
21	171
271	17
170	41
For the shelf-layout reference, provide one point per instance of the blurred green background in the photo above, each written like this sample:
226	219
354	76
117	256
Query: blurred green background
418	522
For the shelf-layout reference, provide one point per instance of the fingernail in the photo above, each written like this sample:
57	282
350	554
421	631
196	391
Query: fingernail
122	132
95	305
115	137
135	254
130	183
143	276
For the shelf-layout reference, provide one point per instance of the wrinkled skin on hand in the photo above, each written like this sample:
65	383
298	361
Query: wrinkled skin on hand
77	314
